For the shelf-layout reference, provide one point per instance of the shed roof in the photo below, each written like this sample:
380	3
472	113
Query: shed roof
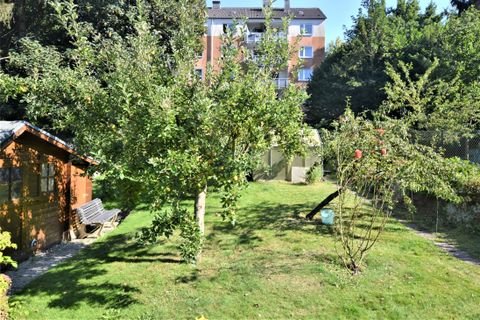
258	13
10	130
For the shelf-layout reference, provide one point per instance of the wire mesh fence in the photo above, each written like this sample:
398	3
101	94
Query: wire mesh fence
464	148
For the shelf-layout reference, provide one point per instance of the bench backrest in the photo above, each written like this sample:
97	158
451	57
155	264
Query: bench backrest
90	210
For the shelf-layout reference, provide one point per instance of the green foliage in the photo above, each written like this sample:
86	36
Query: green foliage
459	48
6	13
108	18
439	58
378	161
4	309
450	110
315	173
463	5
355	69
441	97
164	224
467	177
133	102
6	243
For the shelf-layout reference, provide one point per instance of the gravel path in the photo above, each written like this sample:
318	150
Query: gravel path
40	263
447	247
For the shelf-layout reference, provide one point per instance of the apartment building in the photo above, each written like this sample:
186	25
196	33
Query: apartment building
307	22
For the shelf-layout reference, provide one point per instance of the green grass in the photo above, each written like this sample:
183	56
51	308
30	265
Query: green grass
272	265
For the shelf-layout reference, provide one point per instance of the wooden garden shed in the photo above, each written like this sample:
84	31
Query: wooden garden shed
42	180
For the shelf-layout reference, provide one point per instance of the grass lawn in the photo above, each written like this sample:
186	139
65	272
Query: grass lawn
425	219
272	265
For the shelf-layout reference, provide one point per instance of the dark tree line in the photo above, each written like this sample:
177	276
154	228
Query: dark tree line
462	5
355	70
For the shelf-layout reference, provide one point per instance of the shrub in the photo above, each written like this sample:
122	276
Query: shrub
5	243
5	282
315	173
467	177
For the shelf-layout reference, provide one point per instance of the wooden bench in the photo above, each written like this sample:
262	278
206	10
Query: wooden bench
93	213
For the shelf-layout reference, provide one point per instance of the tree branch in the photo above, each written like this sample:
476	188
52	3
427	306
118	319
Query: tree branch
323	204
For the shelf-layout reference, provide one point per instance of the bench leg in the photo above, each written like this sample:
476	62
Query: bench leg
99	234
112	221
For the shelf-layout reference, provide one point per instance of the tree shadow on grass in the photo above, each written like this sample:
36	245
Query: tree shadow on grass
84	279
279	218
264	267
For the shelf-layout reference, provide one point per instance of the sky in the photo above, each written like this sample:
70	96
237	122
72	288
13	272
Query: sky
339	12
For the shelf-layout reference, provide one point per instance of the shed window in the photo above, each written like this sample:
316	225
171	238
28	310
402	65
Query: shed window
15	183
4	184
47	177
10	183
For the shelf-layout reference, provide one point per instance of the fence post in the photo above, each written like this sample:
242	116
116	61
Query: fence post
467	149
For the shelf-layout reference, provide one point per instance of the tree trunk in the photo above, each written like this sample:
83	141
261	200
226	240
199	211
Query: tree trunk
19	19
323	204
200	202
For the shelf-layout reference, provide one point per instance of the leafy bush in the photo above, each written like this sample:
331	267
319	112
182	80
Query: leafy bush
377	160
5	243
467	181
4	285
466	178
315	173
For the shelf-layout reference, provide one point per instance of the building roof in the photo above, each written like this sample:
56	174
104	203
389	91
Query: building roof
10	130
257	13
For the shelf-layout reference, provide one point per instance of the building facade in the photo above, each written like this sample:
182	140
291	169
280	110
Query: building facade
308	23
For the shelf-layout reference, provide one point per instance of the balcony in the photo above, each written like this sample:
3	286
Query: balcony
252	38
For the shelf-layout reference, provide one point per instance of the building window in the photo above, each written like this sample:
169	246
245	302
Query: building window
306	52
47	177
10	183
4	184
305	74
15	183
199	73
228	26
306	29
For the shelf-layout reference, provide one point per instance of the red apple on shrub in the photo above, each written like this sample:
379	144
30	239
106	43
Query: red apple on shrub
358	154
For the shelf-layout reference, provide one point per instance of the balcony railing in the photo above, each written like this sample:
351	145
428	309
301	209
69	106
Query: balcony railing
253	37
256	37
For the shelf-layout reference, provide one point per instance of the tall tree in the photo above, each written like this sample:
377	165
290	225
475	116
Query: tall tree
463	5
459	53
36	19
134	103
355	70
